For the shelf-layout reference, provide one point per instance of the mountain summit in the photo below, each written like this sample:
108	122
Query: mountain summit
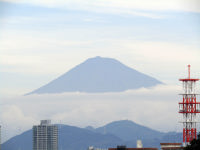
97	75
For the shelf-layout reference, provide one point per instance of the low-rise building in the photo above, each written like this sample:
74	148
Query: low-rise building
125	148
171	146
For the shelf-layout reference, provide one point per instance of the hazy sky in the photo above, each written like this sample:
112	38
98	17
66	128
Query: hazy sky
40	40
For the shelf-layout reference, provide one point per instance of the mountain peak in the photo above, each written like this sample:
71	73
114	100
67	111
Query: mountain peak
99	59
96	75
126	128
121	123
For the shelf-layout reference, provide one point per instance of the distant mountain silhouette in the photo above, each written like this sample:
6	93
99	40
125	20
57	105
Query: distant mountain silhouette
130	132
70	138
116	133
98	75
125	129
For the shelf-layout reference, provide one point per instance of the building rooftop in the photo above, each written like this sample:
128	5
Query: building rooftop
135	149
45	122
170	143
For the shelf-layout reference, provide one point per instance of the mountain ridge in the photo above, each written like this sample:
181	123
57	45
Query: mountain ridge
73	138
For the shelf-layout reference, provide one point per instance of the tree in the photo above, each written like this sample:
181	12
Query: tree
194	144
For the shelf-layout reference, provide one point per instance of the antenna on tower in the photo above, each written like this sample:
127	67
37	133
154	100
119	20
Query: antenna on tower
189	71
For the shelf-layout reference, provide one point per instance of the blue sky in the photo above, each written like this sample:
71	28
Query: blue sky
40	40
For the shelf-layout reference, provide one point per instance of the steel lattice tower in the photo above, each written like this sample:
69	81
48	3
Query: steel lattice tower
189	107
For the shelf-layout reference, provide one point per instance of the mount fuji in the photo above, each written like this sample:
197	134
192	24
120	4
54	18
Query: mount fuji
98	75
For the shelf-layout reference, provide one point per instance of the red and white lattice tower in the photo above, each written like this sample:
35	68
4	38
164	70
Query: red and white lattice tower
189	107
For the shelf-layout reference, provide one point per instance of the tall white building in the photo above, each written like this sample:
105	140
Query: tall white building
45	136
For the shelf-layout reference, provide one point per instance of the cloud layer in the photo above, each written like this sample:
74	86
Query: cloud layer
154	107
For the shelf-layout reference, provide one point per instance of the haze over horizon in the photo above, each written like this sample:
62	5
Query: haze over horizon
41	40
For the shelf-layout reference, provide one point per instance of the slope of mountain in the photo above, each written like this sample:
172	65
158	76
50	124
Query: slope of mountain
19	142
173	137
98	75
117	133
74	138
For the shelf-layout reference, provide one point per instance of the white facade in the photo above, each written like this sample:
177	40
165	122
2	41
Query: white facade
139	144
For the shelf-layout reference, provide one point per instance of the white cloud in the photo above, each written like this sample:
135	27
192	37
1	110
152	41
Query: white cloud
154	107
120	5
162	51
58	49
14	121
